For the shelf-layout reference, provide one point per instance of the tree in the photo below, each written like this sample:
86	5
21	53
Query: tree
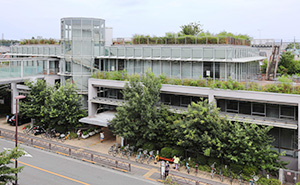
35	101
141	118
292	45
287	64
7	173
63	109
53	106
203	130
194	28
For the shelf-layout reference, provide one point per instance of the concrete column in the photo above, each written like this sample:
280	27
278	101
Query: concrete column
211	98
14	93
92	93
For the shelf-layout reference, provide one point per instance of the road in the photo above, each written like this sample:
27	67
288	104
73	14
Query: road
50	169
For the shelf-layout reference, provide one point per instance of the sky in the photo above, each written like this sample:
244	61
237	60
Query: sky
265	19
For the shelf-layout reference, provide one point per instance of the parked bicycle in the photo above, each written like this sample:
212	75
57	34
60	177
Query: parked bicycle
138	155
213	170
230	176
221	174
63	137
124	151
196	168
151	157
28	129
49	134
130	152
187	167
116	150
144	156
241	177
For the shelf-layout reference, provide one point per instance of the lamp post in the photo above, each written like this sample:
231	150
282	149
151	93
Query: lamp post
16	139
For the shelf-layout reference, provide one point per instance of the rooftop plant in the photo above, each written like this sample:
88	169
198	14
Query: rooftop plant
39	41
284	84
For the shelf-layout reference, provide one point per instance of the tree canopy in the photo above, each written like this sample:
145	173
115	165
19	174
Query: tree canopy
142	119
193	28
53	106
288	65
7	172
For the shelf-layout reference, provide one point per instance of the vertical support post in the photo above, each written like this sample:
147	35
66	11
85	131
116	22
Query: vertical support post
92	157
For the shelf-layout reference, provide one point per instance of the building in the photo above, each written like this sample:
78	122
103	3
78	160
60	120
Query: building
83	52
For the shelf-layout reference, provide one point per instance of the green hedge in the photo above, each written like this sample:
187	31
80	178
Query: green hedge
285	87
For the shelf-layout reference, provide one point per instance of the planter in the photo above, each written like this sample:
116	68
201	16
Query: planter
92	133
97	131
85	136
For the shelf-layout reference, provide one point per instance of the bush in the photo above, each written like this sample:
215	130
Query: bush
236	168
148	146
265	181
73	135
248	170
202	160
166	152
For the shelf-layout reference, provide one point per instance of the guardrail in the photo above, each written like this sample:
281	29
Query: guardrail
67	150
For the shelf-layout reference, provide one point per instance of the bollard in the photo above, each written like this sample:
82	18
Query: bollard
129	167
49	146
0	132
31	141
116	163
69	151
92	157
197	183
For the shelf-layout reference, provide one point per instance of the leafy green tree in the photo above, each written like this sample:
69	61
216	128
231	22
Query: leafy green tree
35	101
7	172
203	130
194	28
63	109
263	67
54	107
287	64
292	45
141	118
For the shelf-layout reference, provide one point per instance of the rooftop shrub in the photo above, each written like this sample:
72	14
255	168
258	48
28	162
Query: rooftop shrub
282	86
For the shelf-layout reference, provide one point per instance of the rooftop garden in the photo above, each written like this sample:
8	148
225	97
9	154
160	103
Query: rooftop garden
39	41
191	33
284	84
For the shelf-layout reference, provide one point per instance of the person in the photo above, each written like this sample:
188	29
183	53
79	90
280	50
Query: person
101	136
176	161
7	117
79	134
167	169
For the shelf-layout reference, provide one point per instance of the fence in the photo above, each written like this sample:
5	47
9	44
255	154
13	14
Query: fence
67	150
287	176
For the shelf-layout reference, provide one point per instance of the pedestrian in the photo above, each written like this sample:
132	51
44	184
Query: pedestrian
167	169
79	134
7	117
101	136
176	161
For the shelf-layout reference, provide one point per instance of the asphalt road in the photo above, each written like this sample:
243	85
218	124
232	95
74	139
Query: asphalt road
52	169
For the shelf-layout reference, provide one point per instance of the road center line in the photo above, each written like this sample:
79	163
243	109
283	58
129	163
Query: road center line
53	173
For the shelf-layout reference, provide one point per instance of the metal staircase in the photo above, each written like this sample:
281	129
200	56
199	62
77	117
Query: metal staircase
273	62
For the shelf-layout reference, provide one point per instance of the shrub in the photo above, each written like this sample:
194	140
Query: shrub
73	135
248	170
166	152
236	168
265	181
148	146
202	160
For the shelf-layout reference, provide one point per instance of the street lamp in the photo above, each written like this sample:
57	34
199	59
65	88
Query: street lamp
16	139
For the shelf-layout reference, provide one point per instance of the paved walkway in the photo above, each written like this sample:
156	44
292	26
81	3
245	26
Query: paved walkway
150	172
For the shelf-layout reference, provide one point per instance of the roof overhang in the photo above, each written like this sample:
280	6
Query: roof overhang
101	119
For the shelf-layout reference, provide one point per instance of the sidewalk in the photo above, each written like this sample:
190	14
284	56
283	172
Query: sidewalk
149	172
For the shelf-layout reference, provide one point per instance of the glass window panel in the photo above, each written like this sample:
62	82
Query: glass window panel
175	52
197	70
185	53
274	132
258	108
166	99
244	107
130	66
165	67
156	67
208	53
286	138
156	52
166	52
146	52
138	66
121	65
197	53
175	69
186	69
221	104
175	100
185	101
273	110
287	111
129	52
232	106
208	70
147	65
220	53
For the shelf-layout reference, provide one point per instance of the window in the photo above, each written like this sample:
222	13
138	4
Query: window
258	109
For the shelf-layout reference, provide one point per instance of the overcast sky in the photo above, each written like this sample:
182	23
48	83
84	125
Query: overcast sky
21	19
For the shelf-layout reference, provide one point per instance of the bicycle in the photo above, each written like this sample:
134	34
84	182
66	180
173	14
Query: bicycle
255	178
144	156
241	177
116	150
124	151
63	137
29	130
139	153
151	157
130	152
111	150
221	175
196	169
230	176
187	167
213	170
49	134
